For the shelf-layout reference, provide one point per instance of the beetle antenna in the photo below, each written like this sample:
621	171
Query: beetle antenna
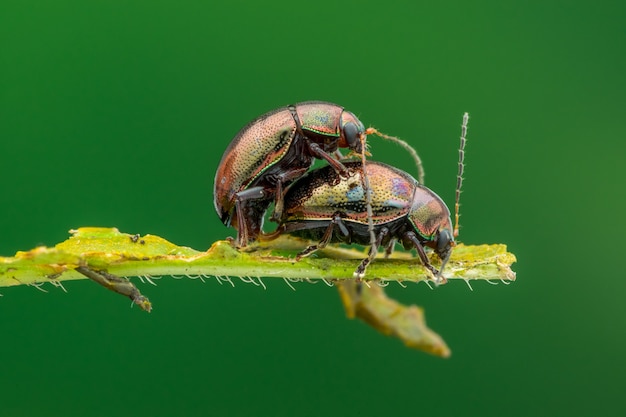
368	203
406	146
459	176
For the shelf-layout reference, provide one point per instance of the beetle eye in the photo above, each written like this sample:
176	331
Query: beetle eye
351	133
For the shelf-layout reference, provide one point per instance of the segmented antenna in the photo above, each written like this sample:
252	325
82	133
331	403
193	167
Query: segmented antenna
406	146
368	204
459	177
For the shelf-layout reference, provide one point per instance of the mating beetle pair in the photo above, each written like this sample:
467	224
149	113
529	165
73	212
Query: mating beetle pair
278	148
323	207
271	152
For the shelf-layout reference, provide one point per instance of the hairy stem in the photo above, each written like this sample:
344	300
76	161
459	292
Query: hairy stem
105	256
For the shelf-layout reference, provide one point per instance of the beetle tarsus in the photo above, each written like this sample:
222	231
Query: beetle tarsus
440	280
359	273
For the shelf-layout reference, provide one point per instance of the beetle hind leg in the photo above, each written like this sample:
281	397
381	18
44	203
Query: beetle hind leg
243	222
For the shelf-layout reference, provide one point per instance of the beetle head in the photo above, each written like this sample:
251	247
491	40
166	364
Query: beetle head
352	130
430	218
444	242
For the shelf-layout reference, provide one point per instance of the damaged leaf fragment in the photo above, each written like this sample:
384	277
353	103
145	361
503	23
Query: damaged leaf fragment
116	284
390	317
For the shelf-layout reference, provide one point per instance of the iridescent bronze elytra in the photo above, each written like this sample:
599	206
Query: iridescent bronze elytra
274	150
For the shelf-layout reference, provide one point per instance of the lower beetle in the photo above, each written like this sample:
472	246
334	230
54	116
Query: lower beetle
274	150
324	207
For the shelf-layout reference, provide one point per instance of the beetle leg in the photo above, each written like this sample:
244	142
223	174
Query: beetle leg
359	273
345	233
241	197
319	153
389	248
328	234
280	193
422	254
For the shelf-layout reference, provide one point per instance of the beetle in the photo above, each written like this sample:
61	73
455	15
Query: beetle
324	207
271	152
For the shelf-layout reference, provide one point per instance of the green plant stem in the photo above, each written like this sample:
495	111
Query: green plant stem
104	255
133	255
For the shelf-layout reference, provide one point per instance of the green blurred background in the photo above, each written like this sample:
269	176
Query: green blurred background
116	113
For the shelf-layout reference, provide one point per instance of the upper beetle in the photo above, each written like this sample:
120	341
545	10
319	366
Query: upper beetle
323	207
274	150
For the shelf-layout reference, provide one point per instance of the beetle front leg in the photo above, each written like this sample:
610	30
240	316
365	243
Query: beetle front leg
241	198
422	254
319	153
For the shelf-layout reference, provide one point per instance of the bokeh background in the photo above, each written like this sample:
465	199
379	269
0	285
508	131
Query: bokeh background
116	113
